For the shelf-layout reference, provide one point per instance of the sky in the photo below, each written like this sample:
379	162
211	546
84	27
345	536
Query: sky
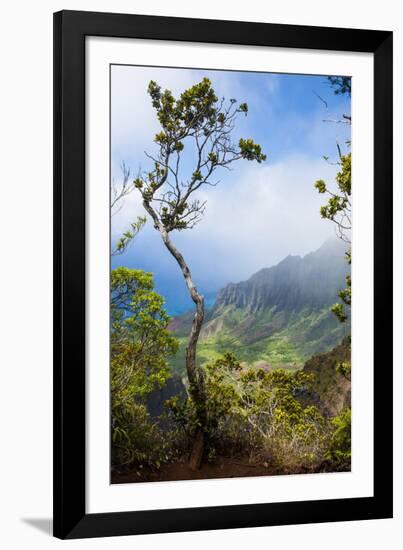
259	213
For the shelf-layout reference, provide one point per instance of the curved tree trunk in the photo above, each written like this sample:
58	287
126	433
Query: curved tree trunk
195	375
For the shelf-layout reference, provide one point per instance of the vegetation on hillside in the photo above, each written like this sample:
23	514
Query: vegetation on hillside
290	421
278	318
287	346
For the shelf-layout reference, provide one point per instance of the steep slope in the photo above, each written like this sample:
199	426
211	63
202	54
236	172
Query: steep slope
332	389
293	284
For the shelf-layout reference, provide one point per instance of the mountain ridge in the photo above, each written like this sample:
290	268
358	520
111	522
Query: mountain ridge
280	316
306	273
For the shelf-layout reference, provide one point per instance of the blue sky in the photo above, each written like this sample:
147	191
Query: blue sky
258	214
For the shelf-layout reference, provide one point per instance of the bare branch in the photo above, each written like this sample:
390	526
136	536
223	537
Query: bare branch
321	99
119	193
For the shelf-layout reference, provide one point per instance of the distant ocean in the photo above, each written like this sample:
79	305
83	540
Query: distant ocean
178	303
170	284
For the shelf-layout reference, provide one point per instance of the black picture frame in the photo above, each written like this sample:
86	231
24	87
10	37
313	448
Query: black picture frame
70	517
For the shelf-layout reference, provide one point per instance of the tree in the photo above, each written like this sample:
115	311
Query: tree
338	210
338	207
140	346
202	123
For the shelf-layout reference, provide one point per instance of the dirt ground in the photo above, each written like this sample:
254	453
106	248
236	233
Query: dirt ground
221	467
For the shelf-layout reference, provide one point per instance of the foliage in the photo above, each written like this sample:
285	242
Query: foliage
257	412
203	123
344	368
118	194
339	452
128	236
341	84
338	210
140	347
338	206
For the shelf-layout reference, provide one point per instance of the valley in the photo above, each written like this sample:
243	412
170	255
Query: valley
278	318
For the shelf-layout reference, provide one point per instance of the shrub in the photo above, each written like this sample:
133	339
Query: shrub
140	347
339	452
257	413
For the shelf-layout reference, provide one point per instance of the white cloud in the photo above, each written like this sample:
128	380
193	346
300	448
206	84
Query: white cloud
133	118
267	212
252	221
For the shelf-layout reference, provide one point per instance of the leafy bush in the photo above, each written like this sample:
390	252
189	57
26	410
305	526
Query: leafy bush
140	347
257	413
339	452
136	440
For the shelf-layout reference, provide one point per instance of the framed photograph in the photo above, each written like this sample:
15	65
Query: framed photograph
223	274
